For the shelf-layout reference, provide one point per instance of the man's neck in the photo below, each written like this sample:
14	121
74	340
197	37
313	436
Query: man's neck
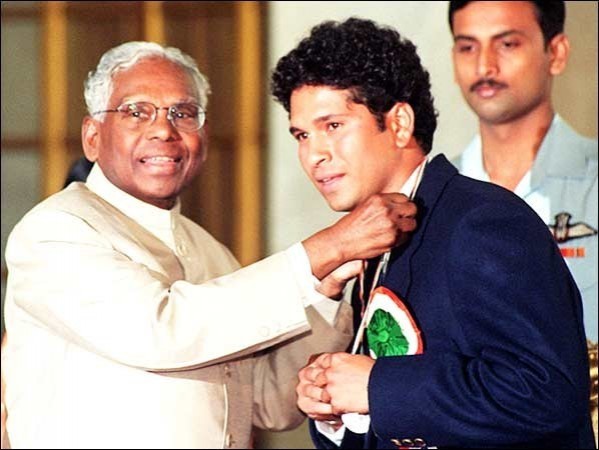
509	149
412	157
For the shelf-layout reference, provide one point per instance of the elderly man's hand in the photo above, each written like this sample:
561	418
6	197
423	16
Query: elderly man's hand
372	228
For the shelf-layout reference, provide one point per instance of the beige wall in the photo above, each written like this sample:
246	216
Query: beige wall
575	91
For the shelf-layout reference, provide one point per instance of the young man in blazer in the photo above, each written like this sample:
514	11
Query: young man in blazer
470	334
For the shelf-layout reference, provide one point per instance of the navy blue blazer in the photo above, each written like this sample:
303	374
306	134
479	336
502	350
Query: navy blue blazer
504	361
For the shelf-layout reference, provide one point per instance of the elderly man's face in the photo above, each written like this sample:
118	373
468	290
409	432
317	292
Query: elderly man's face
155	162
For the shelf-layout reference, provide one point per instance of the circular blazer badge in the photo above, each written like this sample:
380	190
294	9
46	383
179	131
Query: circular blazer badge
390	329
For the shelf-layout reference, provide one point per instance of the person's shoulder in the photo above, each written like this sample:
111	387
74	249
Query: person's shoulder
480	199
586	148
458	187
58	215
75	199
73	206
464	200
475	191
66	198
483	208
580	143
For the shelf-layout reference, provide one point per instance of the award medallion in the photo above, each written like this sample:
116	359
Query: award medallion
390	328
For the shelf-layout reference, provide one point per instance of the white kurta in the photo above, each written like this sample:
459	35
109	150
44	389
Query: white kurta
116	340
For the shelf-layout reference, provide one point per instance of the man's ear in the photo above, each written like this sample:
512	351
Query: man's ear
559	49
90	138
400	119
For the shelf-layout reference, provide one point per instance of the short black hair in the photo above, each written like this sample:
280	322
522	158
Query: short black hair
551	15
377	65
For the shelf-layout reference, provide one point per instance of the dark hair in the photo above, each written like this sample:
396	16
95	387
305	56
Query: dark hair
551	15
78	171
377	65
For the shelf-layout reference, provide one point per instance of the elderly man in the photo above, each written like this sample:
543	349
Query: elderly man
130	326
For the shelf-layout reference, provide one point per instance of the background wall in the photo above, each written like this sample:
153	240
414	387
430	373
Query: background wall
294	207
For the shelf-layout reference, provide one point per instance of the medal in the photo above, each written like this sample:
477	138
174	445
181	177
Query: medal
390	328
386	320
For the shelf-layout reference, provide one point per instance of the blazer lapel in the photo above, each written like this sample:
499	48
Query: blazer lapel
437	173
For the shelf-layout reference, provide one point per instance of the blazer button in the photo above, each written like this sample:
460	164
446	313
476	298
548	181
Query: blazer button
405	444
229	440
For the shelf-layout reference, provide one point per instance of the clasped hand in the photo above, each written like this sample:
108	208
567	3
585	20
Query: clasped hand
333	384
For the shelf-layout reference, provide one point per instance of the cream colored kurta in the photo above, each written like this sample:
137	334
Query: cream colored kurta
117	341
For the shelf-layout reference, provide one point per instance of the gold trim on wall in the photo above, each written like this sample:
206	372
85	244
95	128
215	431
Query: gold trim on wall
54	157
153	22
247	244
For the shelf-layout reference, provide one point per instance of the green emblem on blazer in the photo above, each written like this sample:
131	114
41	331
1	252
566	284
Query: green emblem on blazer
390	328
385	337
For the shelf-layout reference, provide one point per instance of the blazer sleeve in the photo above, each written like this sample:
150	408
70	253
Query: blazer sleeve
517	373
66	277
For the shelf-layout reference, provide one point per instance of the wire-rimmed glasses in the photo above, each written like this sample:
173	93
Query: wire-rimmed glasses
186	117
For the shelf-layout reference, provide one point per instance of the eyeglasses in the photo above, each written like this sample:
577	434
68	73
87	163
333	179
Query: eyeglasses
138	115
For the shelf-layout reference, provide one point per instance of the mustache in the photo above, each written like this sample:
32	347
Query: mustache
487	82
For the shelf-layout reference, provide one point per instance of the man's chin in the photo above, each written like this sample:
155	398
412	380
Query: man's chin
493	113
161	197
162	202
339	205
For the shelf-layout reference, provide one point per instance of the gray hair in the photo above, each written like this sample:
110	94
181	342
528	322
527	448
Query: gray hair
98	86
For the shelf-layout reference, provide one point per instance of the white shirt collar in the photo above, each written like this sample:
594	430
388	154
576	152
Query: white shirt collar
413	181
157	220
472	161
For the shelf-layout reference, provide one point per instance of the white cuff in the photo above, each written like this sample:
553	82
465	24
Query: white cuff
329	432
356	422
307	282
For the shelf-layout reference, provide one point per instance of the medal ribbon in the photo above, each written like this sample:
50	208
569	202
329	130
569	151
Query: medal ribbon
379	274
